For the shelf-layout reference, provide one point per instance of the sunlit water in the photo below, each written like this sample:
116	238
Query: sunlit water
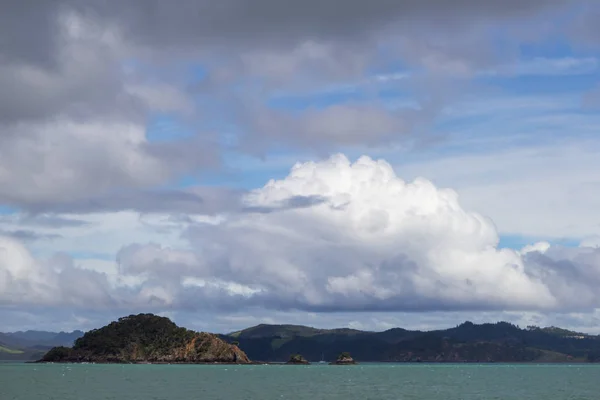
366	381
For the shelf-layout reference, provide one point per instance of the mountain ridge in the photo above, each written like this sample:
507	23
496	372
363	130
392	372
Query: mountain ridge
466	342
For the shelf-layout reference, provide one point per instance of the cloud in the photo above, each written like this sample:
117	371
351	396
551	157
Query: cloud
25	281
539	190
255	27
28	235
376	243
372	242
72	126
583	29
549	67
346	124
83	81
81	78
102	234
67	160
269	21
86	76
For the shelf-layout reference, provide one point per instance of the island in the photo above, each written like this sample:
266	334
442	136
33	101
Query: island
500	342
297	359
147	338
344	359
134	339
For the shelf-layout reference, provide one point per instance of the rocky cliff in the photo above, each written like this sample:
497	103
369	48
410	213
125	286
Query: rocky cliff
147	338
344	359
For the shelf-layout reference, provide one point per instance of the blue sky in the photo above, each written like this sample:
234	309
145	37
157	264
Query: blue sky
533	102
160	165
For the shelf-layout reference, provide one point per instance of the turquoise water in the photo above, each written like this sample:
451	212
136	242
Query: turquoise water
265	382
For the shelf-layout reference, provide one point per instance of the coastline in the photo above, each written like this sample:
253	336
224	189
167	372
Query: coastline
572	362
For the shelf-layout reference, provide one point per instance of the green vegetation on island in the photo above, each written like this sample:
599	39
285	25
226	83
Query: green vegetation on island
10	351
467	342
147	338
297	359
344	359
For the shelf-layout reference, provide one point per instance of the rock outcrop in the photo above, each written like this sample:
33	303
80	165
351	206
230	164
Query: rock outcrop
147	338
297	359
344	359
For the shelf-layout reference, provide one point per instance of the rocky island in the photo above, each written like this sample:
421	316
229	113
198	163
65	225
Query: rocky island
131	340
297	359
344	359
147	338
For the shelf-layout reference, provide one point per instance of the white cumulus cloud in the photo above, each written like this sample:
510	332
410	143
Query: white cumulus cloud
375	242
369	242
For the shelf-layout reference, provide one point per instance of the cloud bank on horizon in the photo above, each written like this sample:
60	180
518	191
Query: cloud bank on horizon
443	162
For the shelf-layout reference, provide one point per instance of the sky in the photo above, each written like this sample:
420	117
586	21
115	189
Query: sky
365	164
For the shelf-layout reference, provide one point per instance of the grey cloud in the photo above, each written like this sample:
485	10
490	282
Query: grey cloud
33	221
256	24
69	162
564	277
155	23
57	319
85	88
584	27
199	200
569	270
72	115
178	203
395	246
288	41
29	235
200	152
61	79
28	32
290	203
350	124
49	221
388	250
46	71
55	282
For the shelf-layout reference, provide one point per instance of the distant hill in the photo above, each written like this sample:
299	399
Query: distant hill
147	338
45	338
467	342
10	353
264	330
31	345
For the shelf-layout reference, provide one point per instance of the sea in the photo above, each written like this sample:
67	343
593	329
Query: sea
311	382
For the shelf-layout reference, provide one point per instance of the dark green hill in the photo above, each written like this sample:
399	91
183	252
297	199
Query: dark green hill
10	353
44	338
31	345
147	338
468	342
286	331
277	342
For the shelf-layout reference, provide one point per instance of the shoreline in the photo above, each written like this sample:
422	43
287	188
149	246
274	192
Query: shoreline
574	362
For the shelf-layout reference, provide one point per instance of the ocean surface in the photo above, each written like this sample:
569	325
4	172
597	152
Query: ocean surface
265	382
